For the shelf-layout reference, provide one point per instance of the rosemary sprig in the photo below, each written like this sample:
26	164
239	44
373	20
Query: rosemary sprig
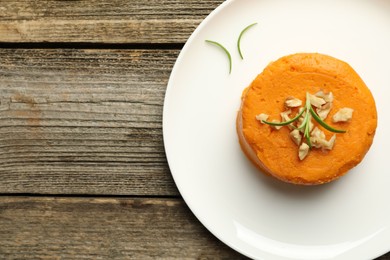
323	124
284	123
306	134
239	38
306	121
305	125
225	50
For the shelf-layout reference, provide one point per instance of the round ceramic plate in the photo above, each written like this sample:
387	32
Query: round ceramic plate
256	215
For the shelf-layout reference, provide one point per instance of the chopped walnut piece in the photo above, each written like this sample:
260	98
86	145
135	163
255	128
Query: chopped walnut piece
329	144
324	110
324	144
285	117
318	140
262	117
301	121
296	136
316	101
318	133
277	127
293	102
343	115
328	97
303	151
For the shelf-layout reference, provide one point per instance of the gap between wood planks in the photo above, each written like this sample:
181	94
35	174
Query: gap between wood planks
88	45
79	196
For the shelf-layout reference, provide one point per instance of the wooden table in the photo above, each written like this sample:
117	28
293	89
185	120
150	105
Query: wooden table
83	174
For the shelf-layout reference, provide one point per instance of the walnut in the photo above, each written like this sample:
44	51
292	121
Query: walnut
301	118
303	151
343	115
277	127
324	110
300	122
262	117
285	117
329	144
327	97
318	139
316	101
293	102
318	133
296	136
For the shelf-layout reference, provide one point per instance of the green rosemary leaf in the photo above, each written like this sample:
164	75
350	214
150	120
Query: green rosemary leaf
309	141
284	123
275	123
304	122
323	124
239	38
307	131
308	104
226	51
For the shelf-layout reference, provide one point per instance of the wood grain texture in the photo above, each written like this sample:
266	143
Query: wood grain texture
88	122
104	228
84	121
102	21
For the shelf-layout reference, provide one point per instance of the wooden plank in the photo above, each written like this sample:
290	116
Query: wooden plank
102	21
84	121
104	228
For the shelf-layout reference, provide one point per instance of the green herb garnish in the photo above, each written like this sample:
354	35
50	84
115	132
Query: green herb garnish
306	134
284	123
305	125
323	124
225	50
239	38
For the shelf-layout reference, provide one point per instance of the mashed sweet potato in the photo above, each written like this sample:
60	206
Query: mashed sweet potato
273	151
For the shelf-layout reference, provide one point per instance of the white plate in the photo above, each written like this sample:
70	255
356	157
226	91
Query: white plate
260	217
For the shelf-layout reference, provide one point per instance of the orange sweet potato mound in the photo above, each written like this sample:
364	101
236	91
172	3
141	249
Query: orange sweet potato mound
273	151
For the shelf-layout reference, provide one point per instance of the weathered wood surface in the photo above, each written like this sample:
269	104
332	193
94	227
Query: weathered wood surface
102	21
83	121
104	228
88	122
